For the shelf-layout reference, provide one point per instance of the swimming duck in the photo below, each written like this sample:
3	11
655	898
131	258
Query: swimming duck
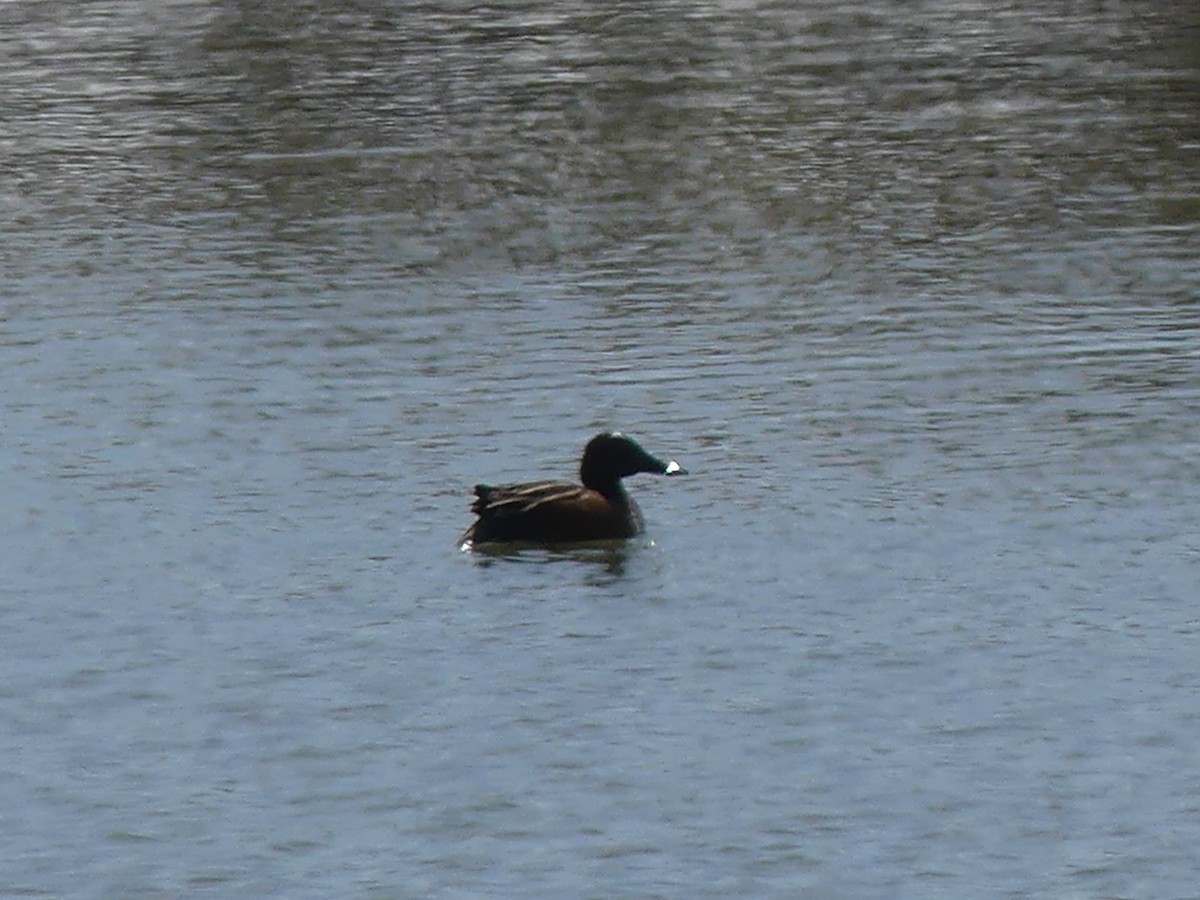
551	512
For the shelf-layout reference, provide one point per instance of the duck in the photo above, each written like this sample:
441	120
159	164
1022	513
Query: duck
555	512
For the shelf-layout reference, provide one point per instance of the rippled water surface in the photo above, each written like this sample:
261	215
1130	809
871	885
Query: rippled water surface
910	288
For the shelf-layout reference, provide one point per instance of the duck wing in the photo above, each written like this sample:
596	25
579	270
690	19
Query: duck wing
504	500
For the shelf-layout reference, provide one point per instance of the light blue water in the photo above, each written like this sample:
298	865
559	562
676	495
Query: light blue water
921	323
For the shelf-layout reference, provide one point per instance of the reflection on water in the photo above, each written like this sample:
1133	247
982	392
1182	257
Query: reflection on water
514	134
609	557
911	289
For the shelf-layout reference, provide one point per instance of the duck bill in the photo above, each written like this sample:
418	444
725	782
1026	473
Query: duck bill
674	468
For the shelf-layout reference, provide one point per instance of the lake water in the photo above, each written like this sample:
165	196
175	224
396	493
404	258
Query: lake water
913	291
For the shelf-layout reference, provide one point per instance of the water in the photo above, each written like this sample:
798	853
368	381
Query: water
909	288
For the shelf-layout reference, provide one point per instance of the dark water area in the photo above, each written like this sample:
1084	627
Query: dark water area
957	137
910	288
